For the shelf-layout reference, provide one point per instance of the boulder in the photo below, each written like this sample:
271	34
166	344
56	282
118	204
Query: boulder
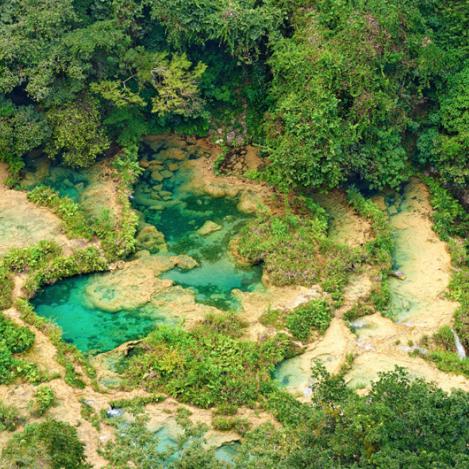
208	227
150	239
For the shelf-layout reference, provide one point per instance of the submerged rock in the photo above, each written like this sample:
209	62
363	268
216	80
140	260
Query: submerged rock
156	175
172	154
130	287
185	262
208	227
150	239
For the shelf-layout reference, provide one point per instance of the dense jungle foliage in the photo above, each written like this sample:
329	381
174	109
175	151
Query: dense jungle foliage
332	90
357	94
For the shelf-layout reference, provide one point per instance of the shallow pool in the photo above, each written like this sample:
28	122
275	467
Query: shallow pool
164	199
179	213
88	328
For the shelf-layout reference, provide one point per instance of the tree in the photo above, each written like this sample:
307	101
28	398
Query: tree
445	145
77	135
21	130
342	91
402	422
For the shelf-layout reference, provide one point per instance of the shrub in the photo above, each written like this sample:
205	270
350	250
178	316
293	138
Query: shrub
273	318
223	323
295	250
444	338
9	418
66	353
358	311
18	339
82	261
137	404
74	219
314	315
51	444
450	362
44	399
226	409
23	259
6	288
225	424
380	248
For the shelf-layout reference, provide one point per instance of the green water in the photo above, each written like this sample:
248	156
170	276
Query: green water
66	181
401	302
90	329
178	214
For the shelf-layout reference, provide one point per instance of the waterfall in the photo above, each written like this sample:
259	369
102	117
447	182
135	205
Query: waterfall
459	346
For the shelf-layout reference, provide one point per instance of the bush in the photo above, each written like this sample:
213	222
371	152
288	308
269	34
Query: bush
358	311
18	339
450	362
314	315
226	409
381	247
24	259
66	353
449	217
6	288
295	250
444	339
227	424
49	444
44	399
137	404
9	418
223	323
82	261
401	422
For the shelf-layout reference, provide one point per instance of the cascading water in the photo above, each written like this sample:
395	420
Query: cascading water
459	346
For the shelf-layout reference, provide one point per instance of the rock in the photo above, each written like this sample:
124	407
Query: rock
149	238
157	207
156	175
249	202
155	164
398	274
185	262
173	166
208	227
114	412
230	137
166	174
172	154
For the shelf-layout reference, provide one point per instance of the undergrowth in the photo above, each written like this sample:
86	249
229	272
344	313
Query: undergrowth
295	250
